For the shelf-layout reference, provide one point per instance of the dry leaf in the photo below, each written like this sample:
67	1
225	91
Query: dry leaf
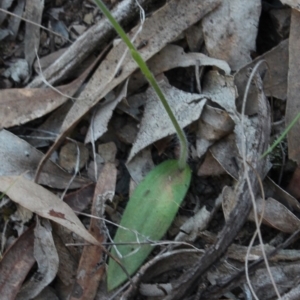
91	267
46	257
221	90
42	202
100	121
292	3
226	154
14	23
19	106
190	229
33	12
16	264
19	157
230	31
156	124
194	37
213	124
293	107
210	166
275	214
173	56
275	79
274	191
285	277
67	263
140	165
51	125
70	153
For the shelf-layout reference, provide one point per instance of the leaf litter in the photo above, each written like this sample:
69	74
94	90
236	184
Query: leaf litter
204	45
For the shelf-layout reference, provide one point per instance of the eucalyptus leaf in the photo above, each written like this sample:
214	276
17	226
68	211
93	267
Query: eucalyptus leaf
147	217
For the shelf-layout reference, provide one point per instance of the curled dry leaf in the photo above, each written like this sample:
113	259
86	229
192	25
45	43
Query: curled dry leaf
221	90
173	56
213	125
155	290
190	229
42	202
275	191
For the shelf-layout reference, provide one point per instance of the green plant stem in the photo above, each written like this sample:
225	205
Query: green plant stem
145	70
282	136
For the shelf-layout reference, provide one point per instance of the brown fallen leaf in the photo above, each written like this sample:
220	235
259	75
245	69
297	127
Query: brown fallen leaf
80	199
16	264
19	106
276	215
91	267
42	202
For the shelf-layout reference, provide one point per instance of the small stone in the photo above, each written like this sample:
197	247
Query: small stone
88	19
68	156
108	151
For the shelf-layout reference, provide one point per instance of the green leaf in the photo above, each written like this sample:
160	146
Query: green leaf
150	212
